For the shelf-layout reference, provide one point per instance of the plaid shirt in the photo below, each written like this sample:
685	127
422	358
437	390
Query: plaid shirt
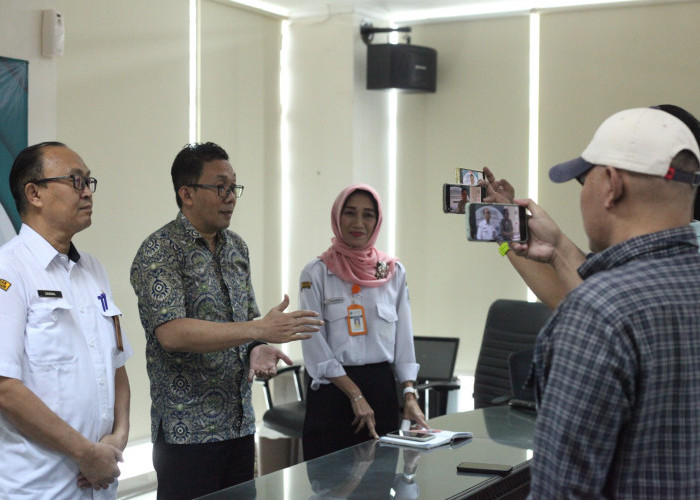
618	376
198	398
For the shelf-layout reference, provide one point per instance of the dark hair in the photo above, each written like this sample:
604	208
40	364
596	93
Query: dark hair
685	160
686	117
28	166
189	163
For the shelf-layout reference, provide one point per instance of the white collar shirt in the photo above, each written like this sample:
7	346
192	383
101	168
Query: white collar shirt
387	311
487	231
58	338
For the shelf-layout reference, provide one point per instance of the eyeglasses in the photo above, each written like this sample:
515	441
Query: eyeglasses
79	181
581	178
222	190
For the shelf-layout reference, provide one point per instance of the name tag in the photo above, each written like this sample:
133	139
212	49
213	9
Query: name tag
356	320
55	294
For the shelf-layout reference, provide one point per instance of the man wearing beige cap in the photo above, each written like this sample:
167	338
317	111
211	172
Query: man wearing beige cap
617	367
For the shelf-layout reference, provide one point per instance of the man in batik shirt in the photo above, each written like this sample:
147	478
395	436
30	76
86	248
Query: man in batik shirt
196	302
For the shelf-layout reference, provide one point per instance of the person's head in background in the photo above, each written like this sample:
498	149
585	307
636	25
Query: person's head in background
637	176
694	125
358	218
205	186
52	189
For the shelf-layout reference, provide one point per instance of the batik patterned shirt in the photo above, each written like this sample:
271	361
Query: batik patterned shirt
618	376
197	398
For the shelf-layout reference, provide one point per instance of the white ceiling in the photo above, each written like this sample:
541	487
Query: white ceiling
386	7
416	10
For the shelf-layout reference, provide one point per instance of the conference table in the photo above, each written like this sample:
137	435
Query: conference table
373	470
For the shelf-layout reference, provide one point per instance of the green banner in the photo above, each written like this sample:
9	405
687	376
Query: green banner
13	135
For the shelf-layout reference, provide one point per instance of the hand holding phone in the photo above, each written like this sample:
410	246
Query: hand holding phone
496	222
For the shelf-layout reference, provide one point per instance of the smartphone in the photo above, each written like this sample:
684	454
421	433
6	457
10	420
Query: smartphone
414	435
468	176
456	196
496	222
480	468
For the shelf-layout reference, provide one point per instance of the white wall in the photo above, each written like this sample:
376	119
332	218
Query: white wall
240	108
477	117
338	133
596	62
123	93
20	38
119	97
122	105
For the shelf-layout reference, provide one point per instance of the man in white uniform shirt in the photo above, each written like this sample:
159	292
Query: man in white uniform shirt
487	229
64	392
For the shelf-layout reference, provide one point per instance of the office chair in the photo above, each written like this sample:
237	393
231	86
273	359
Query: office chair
511	326
286	418
437	357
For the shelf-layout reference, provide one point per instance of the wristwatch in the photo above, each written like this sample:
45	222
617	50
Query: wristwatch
407	390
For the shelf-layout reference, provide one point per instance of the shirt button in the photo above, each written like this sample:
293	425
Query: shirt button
82	309
101	381
91	344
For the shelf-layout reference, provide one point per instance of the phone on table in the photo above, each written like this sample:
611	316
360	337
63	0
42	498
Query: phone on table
496	222
480	468
413	435
456	196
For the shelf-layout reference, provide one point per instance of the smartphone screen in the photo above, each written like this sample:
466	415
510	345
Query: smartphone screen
456	196
476	467
413	435
496	222
468	176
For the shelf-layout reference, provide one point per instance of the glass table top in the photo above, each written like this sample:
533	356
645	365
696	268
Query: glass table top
502	435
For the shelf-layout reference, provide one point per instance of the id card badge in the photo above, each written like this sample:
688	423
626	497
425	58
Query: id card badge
356	320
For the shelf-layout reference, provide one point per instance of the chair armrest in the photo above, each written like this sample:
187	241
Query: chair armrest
296	369
284	369
500	400
439	386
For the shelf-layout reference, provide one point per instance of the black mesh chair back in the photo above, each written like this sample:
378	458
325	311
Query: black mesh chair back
437	357
511	326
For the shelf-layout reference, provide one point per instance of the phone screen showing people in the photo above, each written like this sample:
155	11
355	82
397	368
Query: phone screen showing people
456	196
496	222
468	176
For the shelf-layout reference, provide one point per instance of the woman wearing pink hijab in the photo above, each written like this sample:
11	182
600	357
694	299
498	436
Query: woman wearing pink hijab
361	295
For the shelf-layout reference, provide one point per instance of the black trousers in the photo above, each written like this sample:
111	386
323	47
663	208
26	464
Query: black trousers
187	471
329	415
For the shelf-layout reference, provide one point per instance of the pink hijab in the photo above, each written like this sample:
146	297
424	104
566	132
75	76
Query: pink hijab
357	265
